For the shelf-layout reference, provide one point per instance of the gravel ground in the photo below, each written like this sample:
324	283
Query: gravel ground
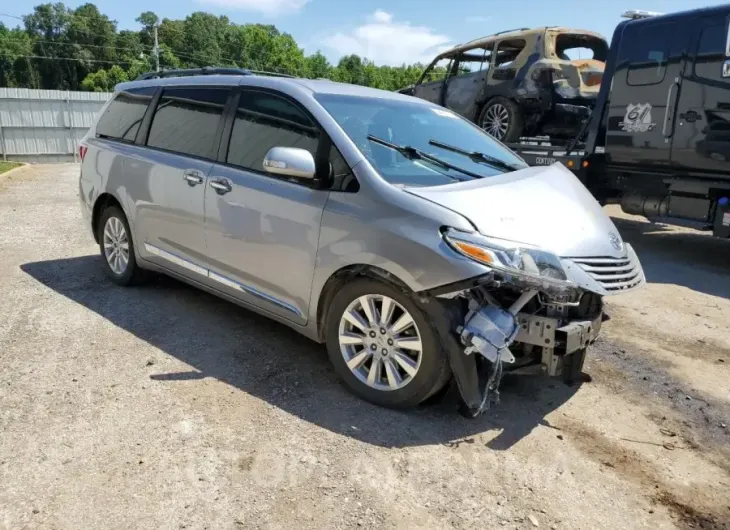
165	407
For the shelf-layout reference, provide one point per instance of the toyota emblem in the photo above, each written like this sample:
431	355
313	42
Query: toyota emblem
615	241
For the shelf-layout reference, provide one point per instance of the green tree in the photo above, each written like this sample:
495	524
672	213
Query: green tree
317	66
350	69
82	48
47	27
105	80
148	20
258	46
16	69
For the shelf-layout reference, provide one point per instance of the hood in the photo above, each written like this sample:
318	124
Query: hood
541	206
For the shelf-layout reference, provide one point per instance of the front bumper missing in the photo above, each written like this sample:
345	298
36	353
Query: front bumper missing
490	331
571	337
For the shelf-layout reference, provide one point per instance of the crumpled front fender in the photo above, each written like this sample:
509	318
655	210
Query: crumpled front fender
447	316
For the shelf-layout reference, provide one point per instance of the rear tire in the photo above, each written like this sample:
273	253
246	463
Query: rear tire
387	368
502	119
117	248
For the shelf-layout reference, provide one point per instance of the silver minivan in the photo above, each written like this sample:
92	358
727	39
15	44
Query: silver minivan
416	247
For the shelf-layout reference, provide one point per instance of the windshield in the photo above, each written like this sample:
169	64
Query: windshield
418	126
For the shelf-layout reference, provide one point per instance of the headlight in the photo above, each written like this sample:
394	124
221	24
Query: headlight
508	257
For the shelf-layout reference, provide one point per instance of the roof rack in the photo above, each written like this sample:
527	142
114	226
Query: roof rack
208	70
272	74
636	14
509	31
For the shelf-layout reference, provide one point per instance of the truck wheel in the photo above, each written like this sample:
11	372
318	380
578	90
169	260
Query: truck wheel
502	119
383	346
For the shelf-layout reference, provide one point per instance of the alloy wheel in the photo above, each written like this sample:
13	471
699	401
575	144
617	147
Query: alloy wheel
380	342
116	245
496	121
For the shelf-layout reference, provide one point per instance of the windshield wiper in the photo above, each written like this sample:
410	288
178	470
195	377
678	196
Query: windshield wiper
476	156
411	153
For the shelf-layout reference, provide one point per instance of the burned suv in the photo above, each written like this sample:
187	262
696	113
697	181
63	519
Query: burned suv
519	82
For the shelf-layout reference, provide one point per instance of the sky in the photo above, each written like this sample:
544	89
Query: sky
386	31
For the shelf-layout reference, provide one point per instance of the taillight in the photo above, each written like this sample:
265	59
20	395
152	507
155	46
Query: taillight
82	151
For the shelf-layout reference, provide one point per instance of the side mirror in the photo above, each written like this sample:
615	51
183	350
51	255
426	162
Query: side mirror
290	162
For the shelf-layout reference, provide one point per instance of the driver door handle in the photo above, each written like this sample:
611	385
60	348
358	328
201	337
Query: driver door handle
221	186
193	177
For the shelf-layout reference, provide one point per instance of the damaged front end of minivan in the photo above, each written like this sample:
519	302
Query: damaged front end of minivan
532	311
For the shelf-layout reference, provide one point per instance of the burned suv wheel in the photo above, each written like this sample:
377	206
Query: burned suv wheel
383	346
502	119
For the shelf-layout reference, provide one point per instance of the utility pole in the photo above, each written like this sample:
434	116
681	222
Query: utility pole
156	51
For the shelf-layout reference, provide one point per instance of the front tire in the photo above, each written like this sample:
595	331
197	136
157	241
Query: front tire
117	248
383	345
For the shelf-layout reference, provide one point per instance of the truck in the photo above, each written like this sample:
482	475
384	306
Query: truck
656	140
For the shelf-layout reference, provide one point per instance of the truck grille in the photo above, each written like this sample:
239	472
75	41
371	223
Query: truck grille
613	274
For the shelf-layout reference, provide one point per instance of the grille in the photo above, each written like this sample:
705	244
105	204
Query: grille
613	274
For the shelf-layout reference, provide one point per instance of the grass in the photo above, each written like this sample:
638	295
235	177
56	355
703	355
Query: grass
7	166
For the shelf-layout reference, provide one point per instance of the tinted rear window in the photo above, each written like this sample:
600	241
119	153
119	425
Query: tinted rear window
123	116
186	120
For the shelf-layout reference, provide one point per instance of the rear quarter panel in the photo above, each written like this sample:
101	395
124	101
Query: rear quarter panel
103	171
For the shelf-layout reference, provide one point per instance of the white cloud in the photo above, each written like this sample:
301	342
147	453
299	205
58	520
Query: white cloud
476	19
385	41
266	7
382	17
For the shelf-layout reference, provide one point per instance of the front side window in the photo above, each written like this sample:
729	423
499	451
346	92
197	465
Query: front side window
417	125
264	121
645	53
438	71
123	116
186	120
475	60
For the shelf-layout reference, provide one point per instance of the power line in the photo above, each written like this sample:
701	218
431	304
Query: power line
116	33
145	47
181	31
178	53
166	27
33	41
17	56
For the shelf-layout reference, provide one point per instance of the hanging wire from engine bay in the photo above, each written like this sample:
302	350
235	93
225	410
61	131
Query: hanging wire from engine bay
490	330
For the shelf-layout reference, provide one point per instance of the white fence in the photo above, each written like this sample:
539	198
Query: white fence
45	125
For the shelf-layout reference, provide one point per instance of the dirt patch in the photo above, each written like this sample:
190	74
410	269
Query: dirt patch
634	466
690	518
